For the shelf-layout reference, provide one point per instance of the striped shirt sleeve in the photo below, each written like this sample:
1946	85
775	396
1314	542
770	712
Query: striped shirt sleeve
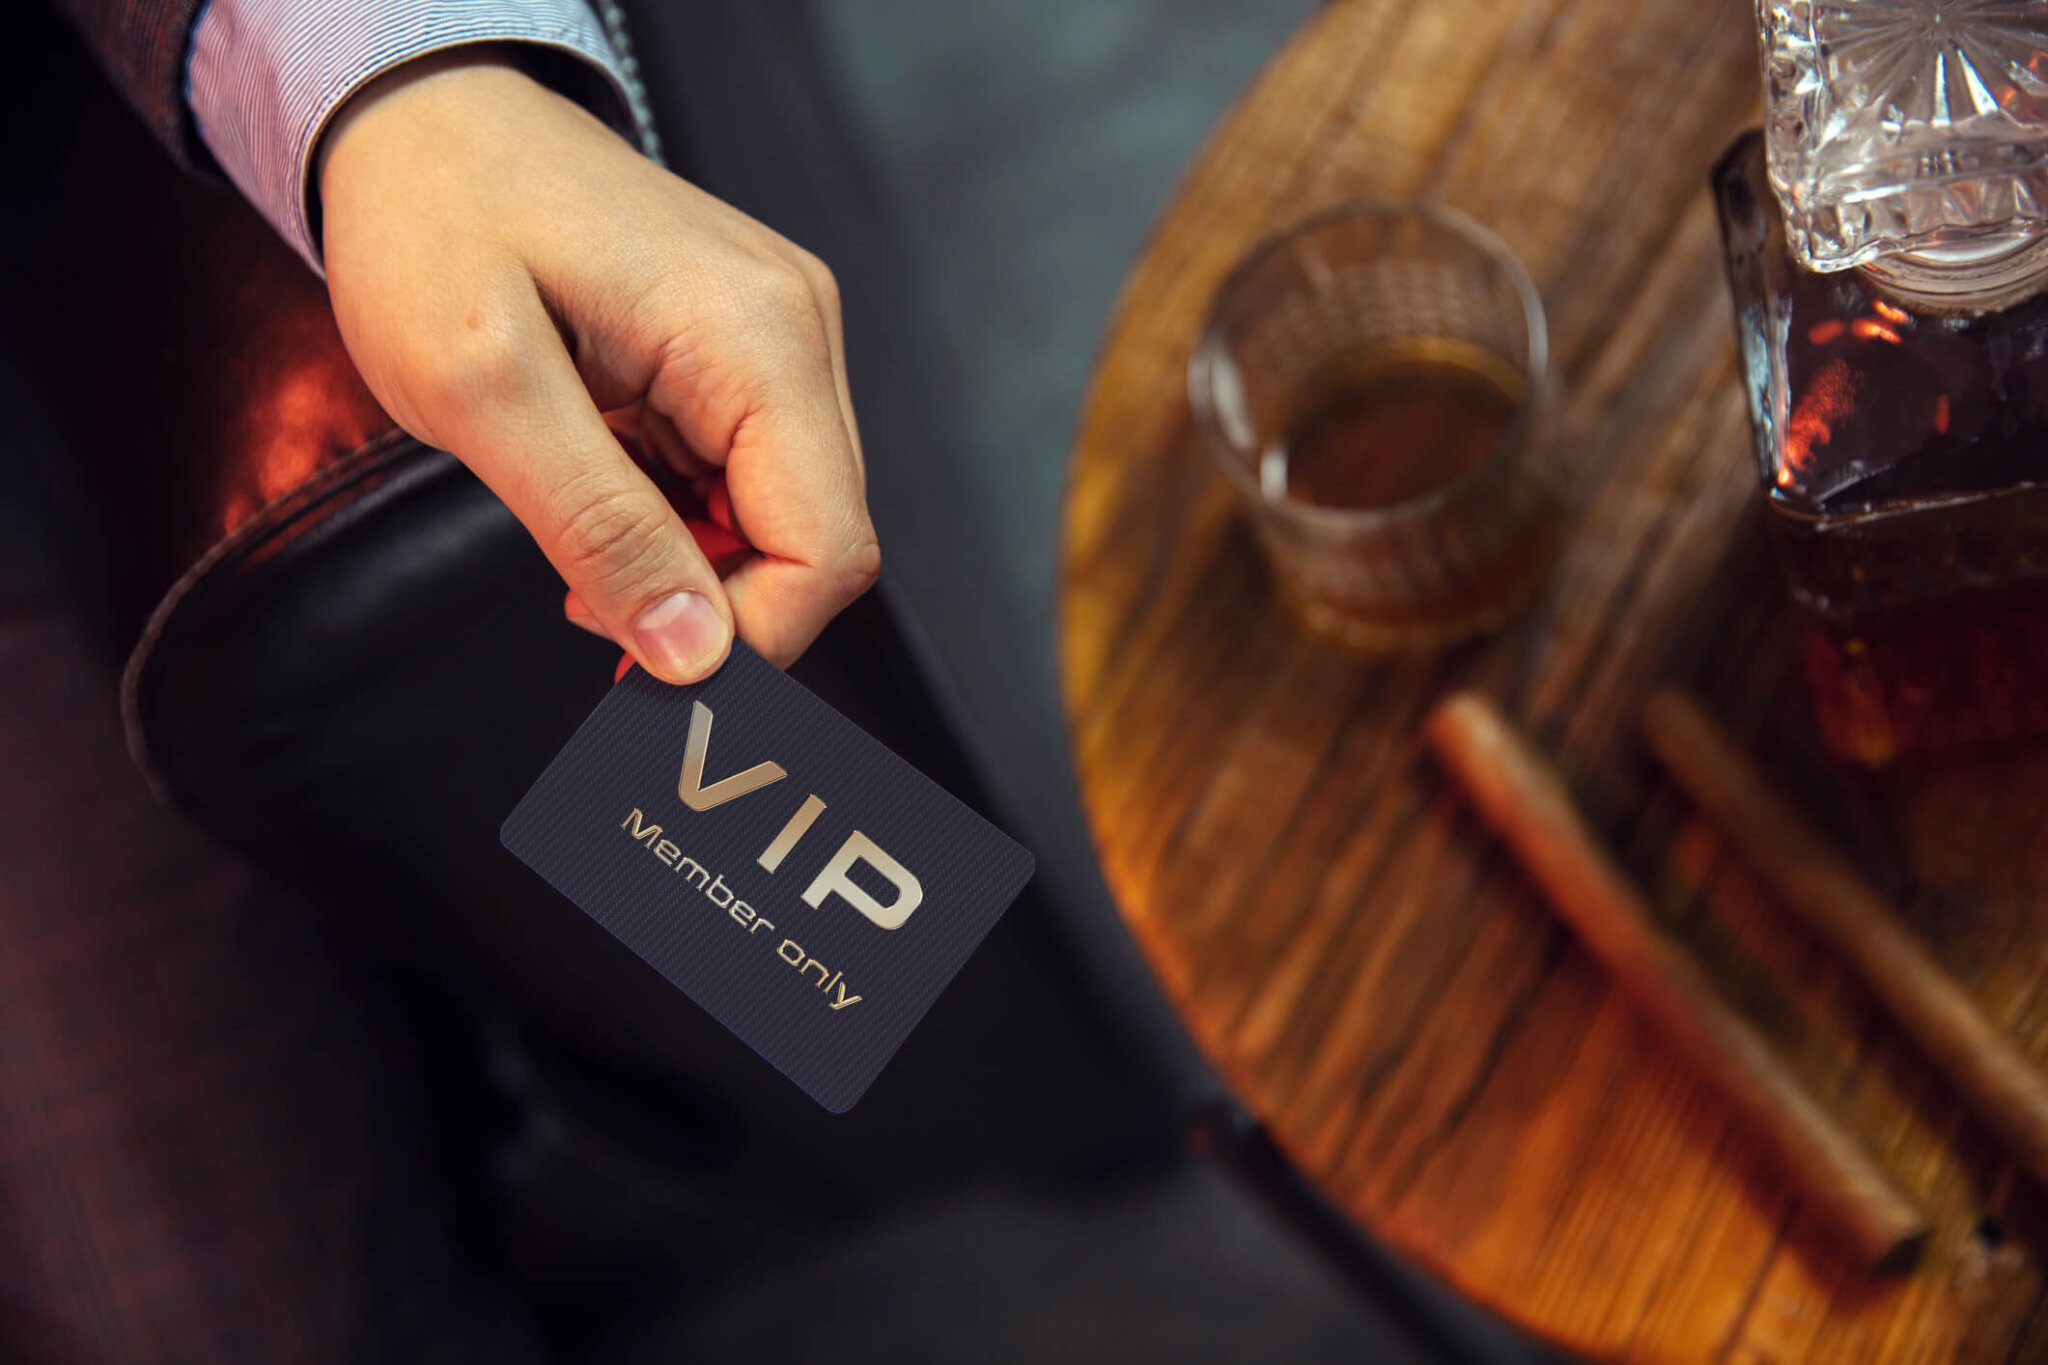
264	77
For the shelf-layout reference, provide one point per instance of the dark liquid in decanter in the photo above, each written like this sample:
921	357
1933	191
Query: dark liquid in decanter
1911	510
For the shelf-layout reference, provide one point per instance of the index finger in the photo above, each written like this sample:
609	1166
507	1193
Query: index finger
799	498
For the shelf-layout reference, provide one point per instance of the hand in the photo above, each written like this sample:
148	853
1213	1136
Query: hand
506	270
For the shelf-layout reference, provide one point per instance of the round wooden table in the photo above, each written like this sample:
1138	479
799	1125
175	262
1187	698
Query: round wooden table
1344	941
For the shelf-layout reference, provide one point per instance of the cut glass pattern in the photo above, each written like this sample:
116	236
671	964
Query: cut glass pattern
1900	126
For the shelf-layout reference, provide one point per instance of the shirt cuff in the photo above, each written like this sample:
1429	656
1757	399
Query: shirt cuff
264	78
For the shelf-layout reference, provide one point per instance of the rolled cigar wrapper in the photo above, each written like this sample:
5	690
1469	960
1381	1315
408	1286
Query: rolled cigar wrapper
1525	802
1818	882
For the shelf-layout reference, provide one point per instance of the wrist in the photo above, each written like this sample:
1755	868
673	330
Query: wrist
416	101
481	111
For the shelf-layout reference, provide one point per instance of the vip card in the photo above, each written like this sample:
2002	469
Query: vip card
807	887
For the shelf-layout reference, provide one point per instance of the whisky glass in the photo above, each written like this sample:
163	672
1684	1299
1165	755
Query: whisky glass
1403	348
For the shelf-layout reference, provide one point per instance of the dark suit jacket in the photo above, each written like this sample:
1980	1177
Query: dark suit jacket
141	45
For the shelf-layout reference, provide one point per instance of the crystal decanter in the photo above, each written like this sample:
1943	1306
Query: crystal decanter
1887	244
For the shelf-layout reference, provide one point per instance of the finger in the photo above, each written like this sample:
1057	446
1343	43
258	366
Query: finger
825	290
797	498
518	415
795	481
783	604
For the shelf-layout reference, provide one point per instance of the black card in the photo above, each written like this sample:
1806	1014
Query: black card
810	889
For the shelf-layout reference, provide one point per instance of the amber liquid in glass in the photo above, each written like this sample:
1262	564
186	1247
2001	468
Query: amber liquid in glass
1434	434
1400	429
1912	516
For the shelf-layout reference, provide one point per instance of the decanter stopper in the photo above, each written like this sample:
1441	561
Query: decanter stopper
1911	137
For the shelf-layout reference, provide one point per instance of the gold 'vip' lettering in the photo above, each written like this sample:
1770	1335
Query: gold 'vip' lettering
834	879
690	786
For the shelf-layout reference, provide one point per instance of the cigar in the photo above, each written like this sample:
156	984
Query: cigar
1525	802
1818	882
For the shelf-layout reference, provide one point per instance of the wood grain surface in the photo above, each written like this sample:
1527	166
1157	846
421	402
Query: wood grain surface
1353	953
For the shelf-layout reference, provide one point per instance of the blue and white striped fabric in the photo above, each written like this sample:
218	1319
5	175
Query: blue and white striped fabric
265	76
